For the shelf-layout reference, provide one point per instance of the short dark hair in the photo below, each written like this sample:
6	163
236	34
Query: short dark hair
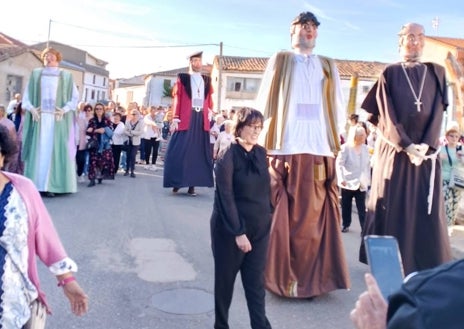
7	144
87	106
305	17
245	117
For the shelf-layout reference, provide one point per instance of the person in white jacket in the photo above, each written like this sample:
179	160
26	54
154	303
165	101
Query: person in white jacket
119	137
152	137
353	173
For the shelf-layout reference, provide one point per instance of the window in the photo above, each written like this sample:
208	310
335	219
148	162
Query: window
14	85
248	85
104	81
86	94
242	88
92	97
94	79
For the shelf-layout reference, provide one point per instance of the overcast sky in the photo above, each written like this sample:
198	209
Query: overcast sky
145	36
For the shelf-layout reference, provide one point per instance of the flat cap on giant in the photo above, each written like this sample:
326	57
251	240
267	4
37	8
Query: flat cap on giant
305	17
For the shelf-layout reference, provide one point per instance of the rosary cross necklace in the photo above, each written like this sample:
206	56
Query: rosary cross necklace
421	89
198	85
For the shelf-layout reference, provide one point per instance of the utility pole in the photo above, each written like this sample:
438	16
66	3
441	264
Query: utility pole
49	30
219	92
435	24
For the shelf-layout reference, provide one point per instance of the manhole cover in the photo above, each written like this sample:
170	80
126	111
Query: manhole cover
184	301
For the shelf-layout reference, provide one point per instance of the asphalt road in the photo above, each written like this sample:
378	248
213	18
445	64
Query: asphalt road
145	261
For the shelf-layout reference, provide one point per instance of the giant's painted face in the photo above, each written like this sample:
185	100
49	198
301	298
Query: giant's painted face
304	35
411	42
50	59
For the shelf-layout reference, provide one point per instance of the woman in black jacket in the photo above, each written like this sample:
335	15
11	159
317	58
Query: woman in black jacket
241	221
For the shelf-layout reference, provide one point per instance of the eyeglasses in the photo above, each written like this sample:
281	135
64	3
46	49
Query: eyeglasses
414	37
88	110
310	26
255	127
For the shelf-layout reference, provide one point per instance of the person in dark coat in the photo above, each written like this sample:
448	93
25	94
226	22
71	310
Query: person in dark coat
406	200
189	160
241	221
427	299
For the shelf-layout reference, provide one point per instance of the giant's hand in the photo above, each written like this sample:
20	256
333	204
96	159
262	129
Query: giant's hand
416	153
174	125
35	112
59	113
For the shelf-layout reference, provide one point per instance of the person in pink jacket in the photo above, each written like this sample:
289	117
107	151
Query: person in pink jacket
27	232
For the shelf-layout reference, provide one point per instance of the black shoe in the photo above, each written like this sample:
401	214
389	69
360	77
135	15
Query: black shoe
191	191
100	180
126	173
92	183
345	229
49	194
175	189
132	175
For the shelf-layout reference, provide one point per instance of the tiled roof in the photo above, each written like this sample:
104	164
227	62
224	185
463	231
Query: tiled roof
346	68
452	42
364	69
243	64
206	69
10	51
134	81
9	41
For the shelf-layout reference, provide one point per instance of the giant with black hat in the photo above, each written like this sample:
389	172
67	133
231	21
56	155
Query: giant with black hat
305	17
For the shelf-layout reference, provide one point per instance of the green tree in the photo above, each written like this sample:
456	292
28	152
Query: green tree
167	89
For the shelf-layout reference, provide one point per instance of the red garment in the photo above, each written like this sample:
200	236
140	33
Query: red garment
182	101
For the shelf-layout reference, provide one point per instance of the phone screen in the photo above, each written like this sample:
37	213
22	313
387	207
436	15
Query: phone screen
385	262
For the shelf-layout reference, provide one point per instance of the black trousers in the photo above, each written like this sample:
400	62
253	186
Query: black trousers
228	261
117	149
149	145
80	161
347	199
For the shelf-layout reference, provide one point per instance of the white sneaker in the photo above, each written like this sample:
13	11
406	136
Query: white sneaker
146	167
153	168
81	179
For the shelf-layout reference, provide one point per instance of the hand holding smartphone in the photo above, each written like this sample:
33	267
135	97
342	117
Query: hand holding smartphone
385	262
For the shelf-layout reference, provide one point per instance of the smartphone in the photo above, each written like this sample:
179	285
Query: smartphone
384	258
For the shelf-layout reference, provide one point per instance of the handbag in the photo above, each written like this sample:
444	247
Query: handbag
457	174
92	144
457	178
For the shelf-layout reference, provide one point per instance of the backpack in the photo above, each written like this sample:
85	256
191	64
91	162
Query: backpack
430	299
